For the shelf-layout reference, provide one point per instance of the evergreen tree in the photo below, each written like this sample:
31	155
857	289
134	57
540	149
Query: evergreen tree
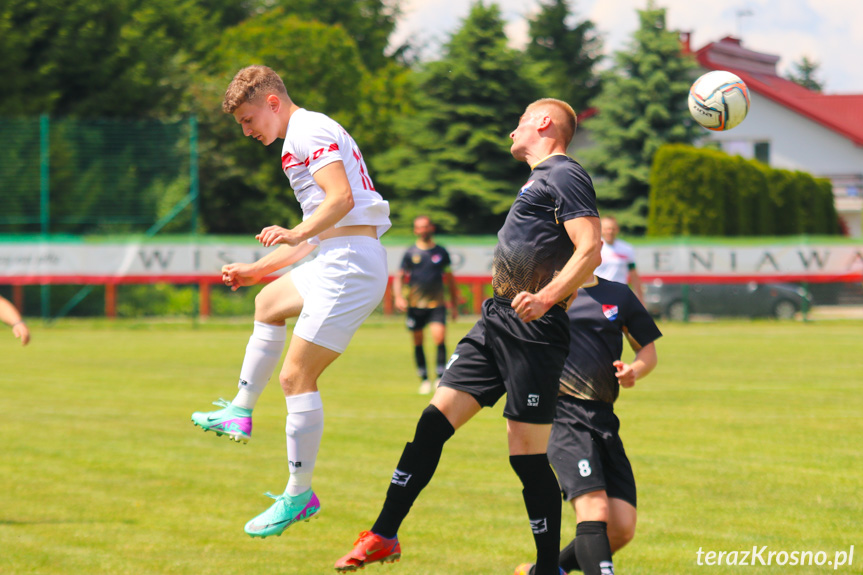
643	105
450	159
567	54
804	73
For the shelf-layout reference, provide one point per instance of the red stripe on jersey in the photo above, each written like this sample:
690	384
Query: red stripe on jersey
288	158
367	181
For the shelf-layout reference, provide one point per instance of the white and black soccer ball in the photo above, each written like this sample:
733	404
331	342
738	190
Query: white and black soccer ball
719	100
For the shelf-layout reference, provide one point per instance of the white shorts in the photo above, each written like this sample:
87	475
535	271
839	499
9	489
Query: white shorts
340	289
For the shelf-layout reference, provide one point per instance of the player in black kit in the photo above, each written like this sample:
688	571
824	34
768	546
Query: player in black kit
425	268
548	246
585	447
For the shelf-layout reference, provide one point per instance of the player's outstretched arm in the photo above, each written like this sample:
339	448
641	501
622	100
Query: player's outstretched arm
9	315
644	362
398	285
237	275
338	202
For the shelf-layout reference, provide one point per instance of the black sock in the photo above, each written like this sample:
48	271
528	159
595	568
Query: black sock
420	357
592	548
542	500
568	560
415	469
441	359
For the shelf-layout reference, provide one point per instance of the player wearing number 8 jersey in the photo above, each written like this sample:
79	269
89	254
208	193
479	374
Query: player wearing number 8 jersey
330	296
585	447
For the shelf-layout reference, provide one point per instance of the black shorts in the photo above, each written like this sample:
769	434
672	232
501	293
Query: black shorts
419	317
586	451
502	354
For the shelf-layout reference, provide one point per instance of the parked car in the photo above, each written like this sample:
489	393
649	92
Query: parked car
751	299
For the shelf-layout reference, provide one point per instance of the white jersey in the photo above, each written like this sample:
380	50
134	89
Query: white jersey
314	140
617	260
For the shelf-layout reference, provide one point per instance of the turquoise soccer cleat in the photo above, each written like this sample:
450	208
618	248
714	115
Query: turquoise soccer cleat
233	421
286	511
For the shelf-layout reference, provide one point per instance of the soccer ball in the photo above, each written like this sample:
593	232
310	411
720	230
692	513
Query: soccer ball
719	100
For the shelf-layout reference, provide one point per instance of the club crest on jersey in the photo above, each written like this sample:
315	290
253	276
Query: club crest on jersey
610	311
436	258
525	187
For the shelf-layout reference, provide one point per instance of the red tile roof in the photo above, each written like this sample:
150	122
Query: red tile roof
841	113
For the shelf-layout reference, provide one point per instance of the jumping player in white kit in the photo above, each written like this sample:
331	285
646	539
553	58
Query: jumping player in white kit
330	295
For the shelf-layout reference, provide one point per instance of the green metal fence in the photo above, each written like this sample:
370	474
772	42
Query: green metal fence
91	177
71	176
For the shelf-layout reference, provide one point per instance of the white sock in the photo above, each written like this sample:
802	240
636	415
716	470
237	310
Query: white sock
304	428
262	355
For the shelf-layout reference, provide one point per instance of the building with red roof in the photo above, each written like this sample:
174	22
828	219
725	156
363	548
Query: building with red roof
792	127
787	127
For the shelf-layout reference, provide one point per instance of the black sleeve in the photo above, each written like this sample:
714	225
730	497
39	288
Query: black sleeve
446	261
639	322
574	193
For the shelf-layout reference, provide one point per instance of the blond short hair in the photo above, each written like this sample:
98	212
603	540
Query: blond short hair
561	114
251	83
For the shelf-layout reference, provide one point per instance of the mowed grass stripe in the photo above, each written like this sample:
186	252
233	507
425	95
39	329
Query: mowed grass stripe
747	433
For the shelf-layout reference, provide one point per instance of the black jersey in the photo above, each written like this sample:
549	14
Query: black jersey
597	319
425	270
533	245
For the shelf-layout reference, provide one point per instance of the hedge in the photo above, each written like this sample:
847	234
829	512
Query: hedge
705	192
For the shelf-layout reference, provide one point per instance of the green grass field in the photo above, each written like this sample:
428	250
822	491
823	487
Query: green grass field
747	434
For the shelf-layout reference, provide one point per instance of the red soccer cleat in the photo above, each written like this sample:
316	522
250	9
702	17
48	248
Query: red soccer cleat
370	548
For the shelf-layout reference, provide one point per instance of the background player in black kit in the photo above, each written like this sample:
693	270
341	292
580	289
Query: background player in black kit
426	265
548	246
585	447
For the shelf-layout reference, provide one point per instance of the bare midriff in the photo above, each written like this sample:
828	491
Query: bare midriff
368	231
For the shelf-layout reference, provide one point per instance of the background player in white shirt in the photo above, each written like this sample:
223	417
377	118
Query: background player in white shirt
331	295
618	258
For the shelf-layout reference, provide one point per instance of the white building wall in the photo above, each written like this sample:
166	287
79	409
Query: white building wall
796	142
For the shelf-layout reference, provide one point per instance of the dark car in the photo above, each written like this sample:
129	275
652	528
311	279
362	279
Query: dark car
751	299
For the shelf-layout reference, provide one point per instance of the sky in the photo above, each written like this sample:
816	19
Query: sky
828	32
